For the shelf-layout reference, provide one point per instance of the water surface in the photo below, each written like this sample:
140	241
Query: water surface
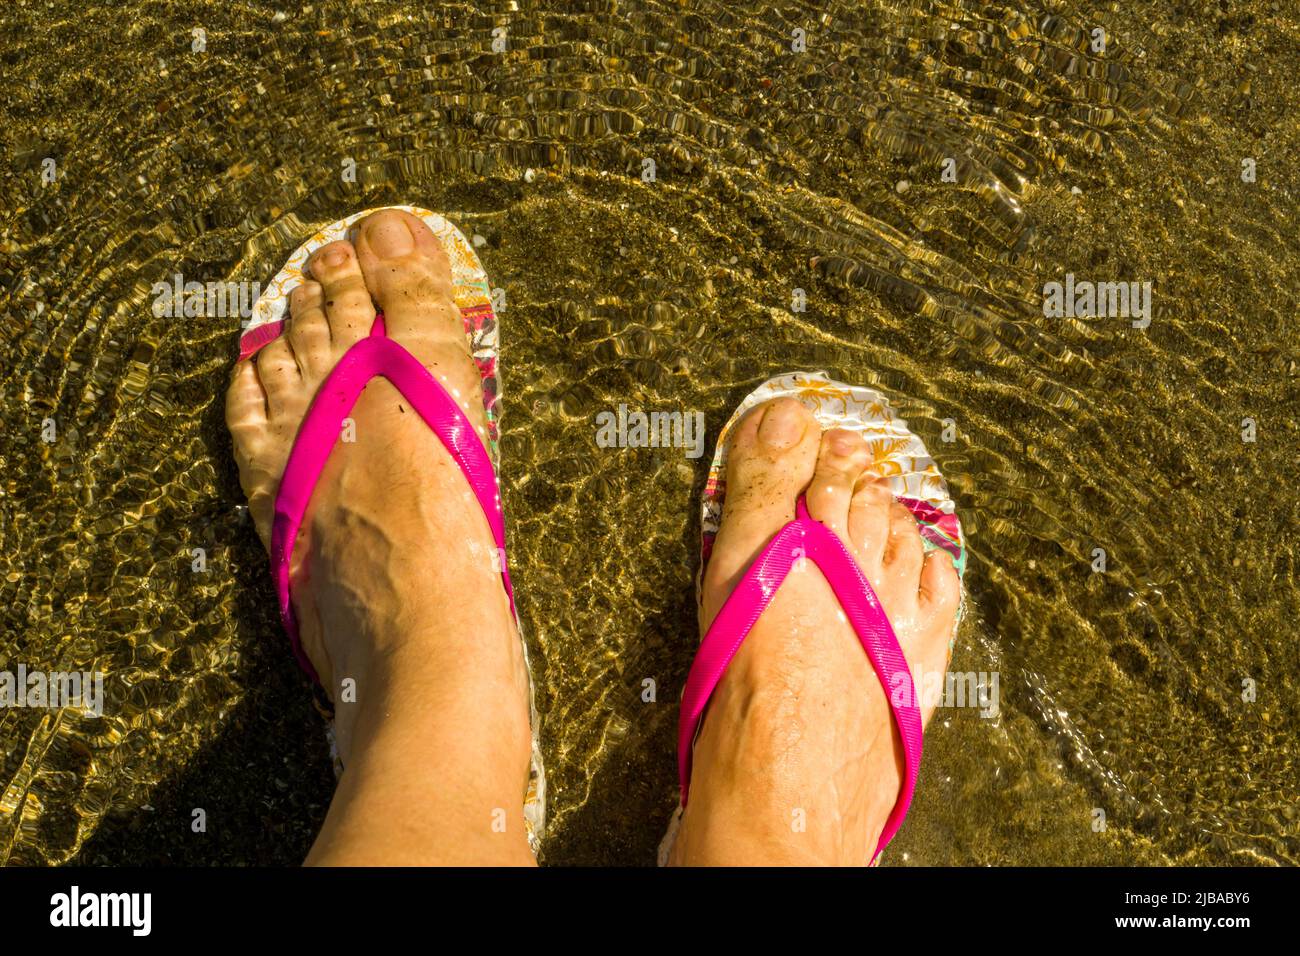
775	170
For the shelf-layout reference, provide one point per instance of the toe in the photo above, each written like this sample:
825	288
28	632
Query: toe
309	331
869	522
277	370
245	402
771	456
347	300
904	551
408	273
940	590
395	233
841	459
247	417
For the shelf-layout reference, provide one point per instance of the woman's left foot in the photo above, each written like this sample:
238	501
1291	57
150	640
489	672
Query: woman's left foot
798	760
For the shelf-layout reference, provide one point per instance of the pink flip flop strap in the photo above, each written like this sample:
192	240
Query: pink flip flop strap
806	538
321	429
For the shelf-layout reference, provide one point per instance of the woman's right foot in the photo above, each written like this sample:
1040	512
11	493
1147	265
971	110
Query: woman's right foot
395	575
798	760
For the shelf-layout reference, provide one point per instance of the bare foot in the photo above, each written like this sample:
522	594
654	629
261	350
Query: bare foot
394	573
798	760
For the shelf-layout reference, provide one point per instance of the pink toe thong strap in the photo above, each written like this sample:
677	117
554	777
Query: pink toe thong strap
322	427
806	538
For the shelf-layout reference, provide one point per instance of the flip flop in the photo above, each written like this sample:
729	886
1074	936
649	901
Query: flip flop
378	355
915	481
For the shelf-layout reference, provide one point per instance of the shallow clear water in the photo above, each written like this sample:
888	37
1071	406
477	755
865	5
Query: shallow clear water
775	170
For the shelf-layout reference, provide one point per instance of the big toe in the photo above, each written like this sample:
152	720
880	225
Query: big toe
771	457
408	274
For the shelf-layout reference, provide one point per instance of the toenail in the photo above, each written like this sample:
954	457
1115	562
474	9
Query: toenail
390	238
782	426
335	255
843	444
